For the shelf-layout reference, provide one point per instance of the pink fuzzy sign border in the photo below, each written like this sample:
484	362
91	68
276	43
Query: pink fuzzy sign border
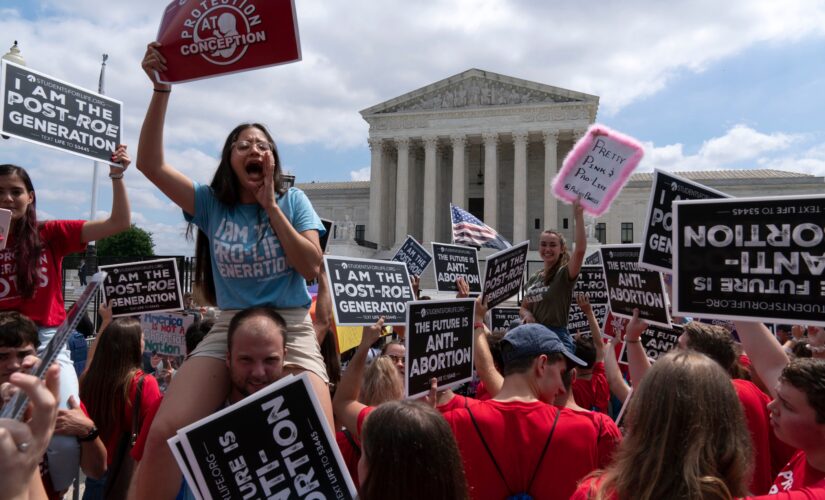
581	151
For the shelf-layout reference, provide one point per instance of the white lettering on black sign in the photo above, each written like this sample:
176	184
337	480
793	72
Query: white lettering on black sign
454	261
139	287
501	317
273	444
657	250
760	259
439	344
41	109
504	274
629	286
364	290
657	341
414	255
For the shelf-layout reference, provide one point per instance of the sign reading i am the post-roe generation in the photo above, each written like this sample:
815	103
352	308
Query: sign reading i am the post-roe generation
657	244
47	111
504	274
274	443
364	290
629	286
451	262
759	259
439	343
414	255
141	287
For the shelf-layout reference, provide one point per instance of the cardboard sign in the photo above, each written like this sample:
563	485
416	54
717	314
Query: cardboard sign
439	344
146	286
414	255
208	38
501	317
323	240
597	168
630	286
504	274
657	342
452	261
657	246
44	110
165	333
759	259
272	444
577	321
363	290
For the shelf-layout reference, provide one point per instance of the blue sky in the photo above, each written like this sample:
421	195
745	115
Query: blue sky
702	84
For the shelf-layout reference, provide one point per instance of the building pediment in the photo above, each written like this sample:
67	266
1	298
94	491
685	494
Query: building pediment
475	88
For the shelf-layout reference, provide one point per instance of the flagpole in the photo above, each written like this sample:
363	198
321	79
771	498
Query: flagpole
91	250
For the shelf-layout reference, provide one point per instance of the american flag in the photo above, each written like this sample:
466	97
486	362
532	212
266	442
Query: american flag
468	230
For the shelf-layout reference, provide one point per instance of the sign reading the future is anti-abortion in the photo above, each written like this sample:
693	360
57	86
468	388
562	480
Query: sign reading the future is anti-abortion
439	344
629	286
502	317
364	290
759	259
657	246
414	255
455	261
273	444
596	168
200	39
50	112
656	341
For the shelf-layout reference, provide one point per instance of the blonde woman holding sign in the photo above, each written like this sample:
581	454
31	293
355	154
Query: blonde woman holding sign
548	292
257	245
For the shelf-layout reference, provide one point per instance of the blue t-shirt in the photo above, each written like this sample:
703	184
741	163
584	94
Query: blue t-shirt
248	261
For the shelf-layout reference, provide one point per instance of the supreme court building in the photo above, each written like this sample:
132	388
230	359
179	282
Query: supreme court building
491	144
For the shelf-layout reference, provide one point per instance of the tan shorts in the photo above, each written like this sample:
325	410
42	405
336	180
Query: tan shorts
302	346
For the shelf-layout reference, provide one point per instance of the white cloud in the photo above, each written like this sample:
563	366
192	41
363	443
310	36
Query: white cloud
739	147
362	174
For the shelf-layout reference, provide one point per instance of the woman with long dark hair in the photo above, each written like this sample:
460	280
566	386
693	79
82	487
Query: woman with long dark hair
686	437
257	244
109	388
548	292
31	277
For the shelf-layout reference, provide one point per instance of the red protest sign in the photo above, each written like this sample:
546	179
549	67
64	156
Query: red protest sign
204	38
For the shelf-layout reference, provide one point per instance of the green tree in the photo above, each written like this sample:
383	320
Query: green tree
134	242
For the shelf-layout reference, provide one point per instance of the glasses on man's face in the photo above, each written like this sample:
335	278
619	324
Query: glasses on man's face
396	359
246	146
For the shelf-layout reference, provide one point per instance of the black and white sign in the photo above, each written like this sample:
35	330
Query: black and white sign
454	261
323	240
657	342
414	255
364	290
594	259
591	282
439	344
504	273
629	286
657	246
577	321
272	444
142	287
41	109
501	317
759	259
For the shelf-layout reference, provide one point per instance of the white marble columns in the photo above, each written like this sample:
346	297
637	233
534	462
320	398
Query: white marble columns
402	196
519	186
459	197
430	147
551	204
490	178
376	190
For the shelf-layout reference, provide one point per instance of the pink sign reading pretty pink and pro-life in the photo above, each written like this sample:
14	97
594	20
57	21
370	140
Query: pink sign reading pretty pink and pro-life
597	168
205	38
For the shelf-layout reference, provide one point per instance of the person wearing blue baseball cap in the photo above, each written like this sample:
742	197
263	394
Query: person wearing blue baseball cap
518	445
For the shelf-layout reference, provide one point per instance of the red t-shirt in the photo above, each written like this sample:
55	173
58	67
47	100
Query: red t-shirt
797	474
482	394
58	238
593	394
608	434
149	400
458	401
755	405
350	453
516	433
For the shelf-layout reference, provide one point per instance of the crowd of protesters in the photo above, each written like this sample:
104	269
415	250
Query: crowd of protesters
716	418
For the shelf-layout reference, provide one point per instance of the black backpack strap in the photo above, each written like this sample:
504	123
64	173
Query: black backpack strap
489	452
352	442
544	451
